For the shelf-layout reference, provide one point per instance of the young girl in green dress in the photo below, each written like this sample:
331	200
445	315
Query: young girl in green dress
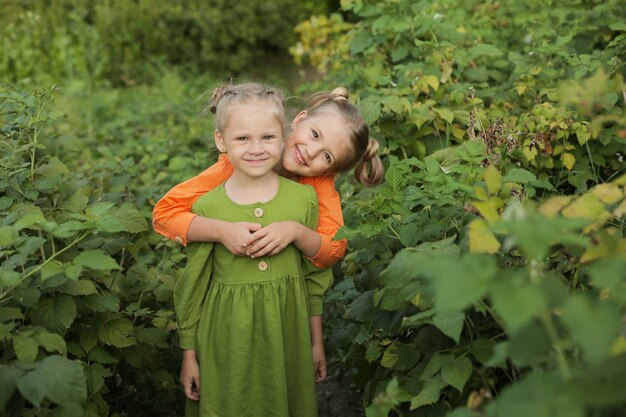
249	327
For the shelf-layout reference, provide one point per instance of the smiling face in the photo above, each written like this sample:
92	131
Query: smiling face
317	144
252	138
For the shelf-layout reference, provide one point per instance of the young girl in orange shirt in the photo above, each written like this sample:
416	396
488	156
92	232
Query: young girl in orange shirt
328	137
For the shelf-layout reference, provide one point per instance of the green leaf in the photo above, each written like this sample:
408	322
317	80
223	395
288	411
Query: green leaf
459	283
360	43
96	259
583	318
10	313
445	114
483	350
484	49
95	374
89	338
55	313
117	332
131	219
518	304
457	373
9	278
519	175
50	269
150	336
26	348
434	365
76	203
56	378
9	376
103	302
429	394
6	235
370	109
51	342
537	395
493	179
450	324
393	103
80	287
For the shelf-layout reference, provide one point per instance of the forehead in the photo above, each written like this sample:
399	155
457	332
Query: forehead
253	114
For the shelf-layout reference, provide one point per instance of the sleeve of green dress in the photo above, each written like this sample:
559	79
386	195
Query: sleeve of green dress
190	291
192	287
317	280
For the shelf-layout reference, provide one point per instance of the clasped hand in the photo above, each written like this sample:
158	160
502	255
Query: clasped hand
253	240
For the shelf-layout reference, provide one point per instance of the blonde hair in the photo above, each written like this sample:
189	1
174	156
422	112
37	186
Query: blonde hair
224	96
368	167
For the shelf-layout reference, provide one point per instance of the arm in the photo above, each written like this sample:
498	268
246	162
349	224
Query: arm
330	220
172	215
317	345
318	245
190	375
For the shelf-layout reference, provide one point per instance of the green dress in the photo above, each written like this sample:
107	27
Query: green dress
248	319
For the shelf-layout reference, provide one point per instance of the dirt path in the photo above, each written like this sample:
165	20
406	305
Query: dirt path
335	398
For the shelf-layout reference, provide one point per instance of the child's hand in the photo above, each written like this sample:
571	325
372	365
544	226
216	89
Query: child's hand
190	375
319	362
272	239
238	236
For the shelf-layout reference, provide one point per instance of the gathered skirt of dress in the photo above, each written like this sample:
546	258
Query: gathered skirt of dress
254	351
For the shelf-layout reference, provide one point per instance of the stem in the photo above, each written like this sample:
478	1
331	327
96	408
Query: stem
546	320
593	169
38	267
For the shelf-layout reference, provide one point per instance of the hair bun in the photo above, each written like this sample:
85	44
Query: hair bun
340	93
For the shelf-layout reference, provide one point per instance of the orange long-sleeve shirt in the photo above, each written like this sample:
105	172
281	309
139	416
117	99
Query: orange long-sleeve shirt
172	215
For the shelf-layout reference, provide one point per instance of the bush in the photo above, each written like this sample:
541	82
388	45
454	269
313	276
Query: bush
85	285
121	40
484	276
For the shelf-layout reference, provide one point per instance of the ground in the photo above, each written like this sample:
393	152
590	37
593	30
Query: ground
337	398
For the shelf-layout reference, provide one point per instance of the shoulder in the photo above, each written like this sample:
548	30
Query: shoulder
323	185
209	200
297	190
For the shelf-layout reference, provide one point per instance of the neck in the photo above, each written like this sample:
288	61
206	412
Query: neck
243	189
280	170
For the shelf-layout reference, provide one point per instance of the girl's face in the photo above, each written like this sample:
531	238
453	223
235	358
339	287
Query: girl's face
252	138
316	144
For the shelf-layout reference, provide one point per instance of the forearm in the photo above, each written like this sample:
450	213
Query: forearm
315	324
308	241
189	354
203	229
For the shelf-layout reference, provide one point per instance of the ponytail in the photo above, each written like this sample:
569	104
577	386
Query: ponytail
369	170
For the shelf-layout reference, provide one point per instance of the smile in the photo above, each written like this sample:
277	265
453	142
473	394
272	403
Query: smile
299	157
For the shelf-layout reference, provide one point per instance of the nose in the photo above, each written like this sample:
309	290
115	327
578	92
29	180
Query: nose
313	149
256	147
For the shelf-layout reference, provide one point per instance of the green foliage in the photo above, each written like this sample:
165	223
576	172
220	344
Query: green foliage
478	273
125	41
85	285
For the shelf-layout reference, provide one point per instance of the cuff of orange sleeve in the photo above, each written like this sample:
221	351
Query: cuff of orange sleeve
179	226
187	339
331	251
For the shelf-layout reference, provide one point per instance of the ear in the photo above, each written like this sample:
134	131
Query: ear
219	141
301	116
